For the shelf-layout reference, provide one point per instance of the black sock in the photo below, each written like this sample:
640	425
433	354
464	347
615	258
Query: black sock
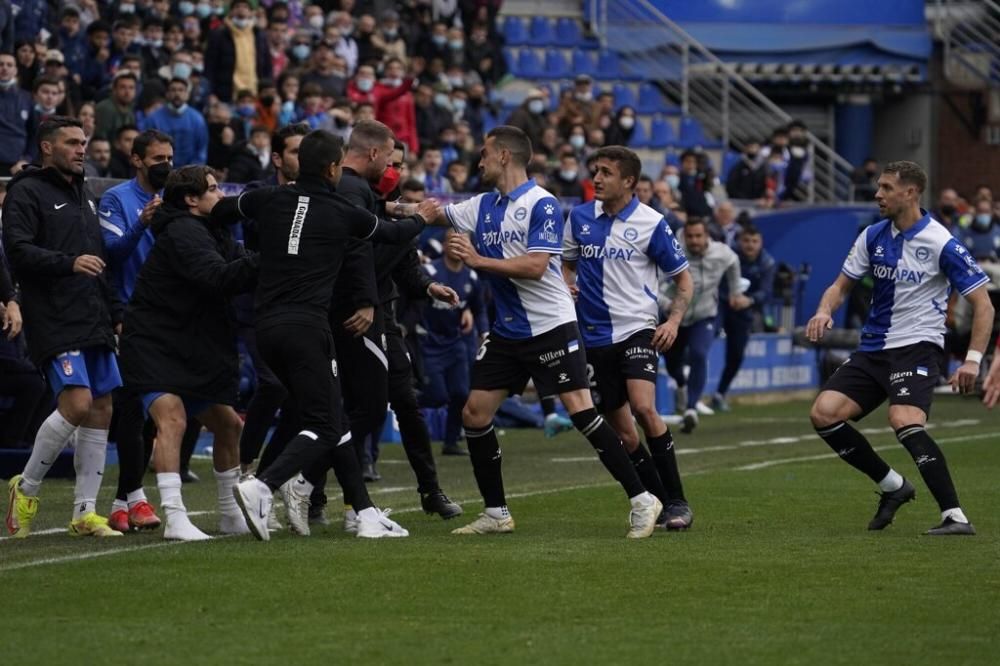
650	478
484	452
189	443
665	459
129	441
548	405
609	449
854	449
931	463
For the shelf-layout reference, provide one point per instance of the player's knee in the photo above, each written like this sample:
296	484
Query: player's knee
901	416
474	417
100	411
824	413
75	404
171	424
646	415
630	439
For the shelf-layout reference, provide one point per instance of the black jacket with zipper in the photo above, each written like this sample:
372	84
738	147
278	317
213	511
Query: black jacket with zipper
47	223
180	326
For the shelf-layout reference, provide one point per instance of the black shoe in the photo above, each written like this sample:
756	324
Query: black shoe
187	476
949	527
454	451
437	502
677	516
370	474
889	504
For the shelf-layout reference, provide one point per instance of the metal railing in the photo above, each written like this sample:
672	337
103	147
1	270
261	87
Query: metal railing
729	108
970	33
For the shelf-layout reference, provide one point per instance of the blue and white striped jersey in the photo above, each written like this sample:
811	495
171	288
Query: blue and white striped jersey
528	219
618	264
914	273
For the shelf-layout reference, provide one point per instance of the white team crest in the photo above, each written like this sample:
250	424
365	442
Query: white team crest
649	368
631	234
585	229
488	218
563	378
550	209
879	251
903	392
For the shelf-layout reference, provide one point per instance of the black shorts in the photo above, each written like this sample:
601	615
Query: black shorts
905	375
554	360
611	366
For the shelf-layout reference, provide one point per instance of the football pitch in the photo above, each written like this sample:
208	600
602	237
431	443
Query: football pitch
777	569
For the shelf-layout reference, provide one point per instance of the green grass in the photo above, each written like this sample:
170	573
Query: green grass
778	568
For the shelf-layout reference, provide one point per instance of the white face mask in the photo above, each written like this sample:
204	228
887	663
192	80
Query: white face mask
673	180
577	141
536	106
568	174
627	122
365	85
316	21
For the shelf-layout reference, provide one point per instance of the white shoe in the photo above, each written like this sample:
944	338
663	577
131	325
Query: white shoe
680	398
486	524
273	524
642	519
255	500
180	528
233	524
351	522
375	524
704	409
296	493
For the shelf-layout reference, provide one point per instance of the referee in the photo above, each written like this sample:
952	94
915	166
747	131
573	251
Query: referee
304	229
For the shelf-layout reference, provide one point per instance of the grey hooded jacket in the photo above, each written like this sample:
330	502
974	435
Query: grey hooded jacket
707	271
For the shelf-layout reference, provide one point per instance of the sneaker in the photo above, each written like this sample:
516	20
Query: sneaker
485	524
690	421
180	528
889	504
370	474
379	527
680	398
21	509
704	409
187	476
677	516
296	505
118	520
453	451
351	522
642	520
317	515
142	516
555	424
437	502
719	403
92	525
273	524
254	499
951	527
233	523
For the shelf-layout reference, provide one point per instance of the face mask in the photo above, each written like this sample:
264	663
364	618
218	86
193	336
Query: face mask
187	8
585	96
393	83
577	141
364	85
300	51
242	23
673	180
567	174
155	43
456	81
983	222
947	210
218	11
627	122
197	68
458	105
536	106
204	11
456	45
316	21
6	85
44	111
440	99
126	9
179	110
157	175
439	40
246	110
182	70
389	181
347	31
390	34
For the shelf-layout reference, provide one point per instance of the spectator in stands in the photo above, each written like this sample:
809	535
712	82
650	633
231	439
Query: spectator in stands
799	171
724	227
345	46
367	50
388	39
531	119
665	202
118	109
237	56
983	191
548	149
7	13
947	212
121	166
604	110
46	98
72	40
16	126
431	117
312	111
458	177
33	17
578	142
644	190
277	46
397	110
327	71
566	181
98	163
96	72
456	47
864	179
251	159
436	44
695	185
979	231
28	65
224	133
620	132
122	43
747	178
154	55
430	162
595	139
574	107
184	124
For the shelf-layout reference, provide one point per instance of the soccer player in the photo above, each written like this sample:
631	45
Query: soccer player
915	263
53	243
178	347
613	252
304	229
518	239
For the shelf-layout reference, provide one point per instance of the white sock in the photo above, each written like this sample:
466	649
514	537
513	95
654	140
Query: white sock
51	439
955	514
119	505
891	483
135	497
642	500
224	484
91	450
497	512
169	484
371	513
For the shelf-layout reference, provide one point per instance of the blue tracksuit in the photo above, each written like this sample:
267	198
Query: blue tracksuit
739	323
127	242
189	131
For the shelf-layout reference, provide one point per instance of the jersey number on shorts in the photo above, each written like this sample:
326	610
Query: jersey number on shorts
482	348
590	376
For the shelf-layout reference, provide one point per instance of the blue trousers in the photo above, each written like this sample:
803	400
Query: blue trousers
737	325
692	346
446	382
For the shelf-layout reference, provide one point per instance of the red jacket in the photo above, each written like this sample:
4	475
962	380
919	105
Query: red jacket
394	107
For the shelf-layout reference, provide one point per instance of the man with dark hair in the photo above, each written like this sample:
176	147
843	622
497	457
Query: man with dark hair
178	347
15	117
184	124
119	107
518	231
747	179
237	56
915	263
121	152
53	243
303	232
695	185
613	251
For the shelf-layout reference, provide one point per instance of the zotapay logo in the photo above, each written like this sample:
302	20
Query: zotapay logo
898	274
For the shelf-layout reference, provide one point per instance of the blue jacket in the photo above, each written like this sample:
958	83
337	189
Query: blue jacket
441	323
15	124
75	49
189	131
127	242
34	16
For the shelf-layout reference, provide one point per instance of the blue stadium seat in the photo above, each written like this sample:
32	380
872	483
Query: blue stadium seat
510	57
568	32
661	133
540	33
529	66
639	138
672	158
514	32
607	66
623	96
489	121
651	100
692	135
730	159
556	65
583	63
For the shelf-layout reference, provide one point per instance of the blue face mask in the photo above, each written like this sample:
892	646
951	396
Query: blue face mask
182	70
246	110
456	45
187	8
439	40
204	10
458	105
301	51
983	221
